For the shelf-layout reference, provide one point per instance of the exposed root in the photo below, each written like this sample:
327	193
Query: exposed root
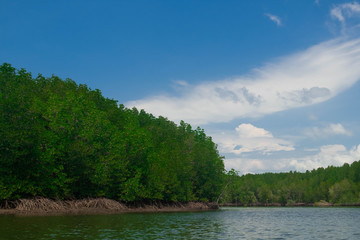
5	204
48	205
41	206
98	203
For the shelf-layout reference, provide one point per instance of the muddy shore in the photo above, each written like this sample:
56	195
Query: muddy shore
48	207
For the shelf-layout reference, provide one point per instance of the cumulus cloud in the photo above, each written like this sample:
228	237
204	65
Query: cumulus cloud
327	131
247	138
327	155
247	130
274	18
305	78
245	166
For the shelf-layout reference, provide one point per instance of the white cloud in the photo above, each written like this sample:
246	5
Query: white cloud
247	138
343	13
245	166
308	77
327	131
181	83
340	12
246	130
337	13
274	18
328	155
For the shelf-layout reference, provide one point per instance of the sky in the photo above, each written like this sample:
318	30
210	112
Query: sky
274	83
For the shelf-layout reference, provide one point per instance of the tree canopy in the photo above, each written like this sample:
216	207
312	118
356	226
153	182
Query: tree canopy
60	139
338	185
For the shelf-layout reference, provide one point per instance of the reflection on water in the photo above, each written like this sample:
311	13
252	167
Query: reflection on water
227	223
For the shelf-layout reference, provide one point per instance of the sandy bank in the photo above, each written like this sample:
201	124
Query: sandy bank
44	207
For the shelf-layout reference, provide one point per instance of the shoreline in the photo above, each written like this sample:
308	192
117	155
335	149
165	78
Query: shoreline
102	206
317	204
97	206
94	211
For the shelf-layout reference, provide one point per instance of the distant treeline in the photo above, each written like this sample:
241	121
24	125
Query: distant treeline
62	140
338	185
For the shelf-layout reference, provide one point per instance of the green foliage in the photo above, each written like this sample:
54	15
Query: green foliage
339	185
59	139
344	192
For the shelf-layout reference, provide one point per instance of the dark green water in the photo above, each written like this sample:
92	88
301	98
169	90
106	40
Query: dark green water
227	223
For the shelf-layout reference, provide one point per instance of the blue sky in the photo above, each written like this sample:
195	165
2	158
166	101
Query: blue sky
275	83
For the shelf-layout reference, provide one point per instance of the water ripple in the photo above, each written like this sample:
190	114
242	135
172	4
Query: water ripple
227	223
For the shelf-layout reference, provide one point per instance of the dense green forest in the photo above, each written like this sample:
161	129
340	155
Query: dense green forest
338	185
62	140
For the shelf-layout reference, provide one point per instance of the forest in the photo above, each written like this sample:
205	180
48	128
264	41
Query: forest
62	140
335	185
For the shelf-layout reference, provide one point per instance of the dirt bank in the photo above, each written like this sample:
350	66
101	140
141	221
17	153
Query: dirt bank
45	206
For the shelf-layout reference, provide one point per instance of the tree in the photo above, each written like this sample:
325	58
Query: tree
60	139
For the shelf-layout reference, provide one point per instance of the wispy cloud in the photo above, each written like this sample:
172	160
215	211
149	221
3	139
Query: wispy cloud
247	138
305	78
327	155
343	12
327	131
340	12
181	83
274	18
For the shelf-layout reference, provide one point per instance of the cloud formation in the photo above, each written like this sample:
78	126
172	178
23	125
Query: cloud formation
327	131
305	78
301	79
345	12
247	138
340	12
327	155
274	18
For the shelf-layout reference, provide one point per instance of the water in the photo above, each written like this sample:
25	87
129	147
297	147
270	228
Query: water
227	223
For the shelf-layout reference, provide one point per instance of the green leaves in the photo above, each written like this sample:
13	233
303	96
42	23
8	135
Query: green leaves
59	139
339	185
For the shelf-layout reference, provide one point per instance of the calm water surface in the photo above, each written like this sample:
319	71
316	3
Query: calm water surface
227	223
